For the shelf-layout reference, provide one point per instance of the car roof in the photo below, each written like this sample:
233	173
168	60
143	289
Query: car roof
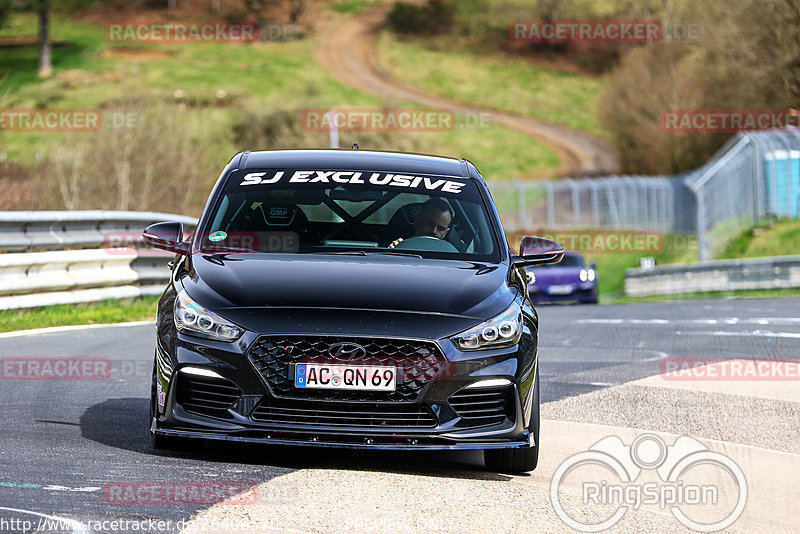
345	159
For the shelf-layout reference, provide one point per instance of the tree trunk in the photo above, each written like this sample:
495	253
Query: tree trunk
45	58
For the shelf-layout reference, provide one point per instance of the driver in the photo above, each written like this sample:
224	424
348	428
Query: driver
433	219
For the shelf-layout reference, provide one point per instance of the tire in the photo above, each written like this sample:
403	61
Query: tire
521	460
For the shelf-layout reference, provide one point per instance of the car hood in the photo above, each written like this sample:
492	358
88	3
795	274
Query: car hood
558	275
386	283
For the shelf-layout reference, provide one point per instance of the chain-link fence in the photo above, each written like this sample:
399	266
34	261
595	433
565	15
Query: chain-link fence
753	175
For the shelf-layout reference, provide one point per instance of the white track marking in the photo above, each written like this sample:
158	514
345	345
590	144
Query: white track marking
758	321
58	329
753	333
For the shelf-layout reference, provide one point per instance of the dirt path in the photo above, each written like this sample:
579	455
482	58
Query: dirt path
348	51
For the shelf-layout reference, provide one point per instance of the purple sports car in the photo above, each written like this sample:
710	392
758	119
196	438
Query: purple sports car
568	280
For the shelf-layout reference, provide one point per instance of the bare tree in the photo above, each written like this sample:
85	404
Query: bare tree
45	55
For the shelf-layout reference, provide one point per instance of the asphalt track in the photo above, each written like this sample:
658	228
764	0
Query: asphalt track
65	443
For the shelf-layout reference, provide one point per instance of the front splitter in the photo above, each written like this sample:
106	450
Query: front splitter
216	436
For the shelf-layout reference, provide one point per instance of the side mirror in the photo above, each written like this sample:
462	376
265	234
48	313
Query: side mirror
167	236
538	251
594	265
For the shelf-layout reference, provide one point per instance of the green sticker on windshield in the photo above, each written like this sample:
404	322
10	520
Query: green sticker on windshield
217	236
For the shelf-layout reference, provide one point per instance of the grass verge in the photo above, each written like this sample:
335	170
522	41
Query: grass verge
745	293
107	311
772	238
516	85
213	85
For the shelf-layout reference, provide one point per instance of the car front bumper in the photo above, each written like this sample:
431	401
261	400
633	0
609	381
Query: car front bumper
229	369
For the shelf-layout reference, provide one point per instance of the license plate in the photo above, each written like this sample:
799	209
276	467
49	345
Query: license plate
360	377
560	290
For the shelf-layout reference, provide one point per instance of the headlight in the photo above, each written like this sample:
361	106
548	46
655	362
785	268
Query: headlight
193	319
501	331
531	277
588	275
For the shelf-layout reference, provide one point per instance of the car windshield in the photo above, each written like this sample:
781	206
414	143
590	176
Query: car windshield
569	260
350	212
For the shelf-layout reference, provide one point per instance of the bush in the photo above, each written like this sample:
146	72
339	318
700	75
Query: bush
167	160
435	17
737	64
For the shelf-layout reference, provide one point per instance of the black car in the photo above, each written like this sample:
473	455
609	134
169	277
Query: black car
359	299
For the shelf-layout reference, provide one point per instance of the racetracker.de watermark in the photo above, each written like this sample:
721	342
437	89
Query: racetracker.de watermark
727	120
73	368
181	32
603	31
610	241
121	242
389	120
202	524
50	120
727	370
684	478
180	493
66	120
55	368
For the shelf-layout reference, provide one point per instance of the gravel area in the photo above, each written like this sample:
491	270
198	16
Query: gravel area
347	501
769	424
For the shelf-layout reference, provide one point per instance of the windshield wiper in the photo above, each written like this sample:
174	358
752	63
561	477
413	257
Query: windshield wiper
227	250
393	253
371	253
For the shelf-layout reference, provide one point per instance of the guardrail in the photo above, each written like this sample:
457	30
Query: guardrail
777	272
27	231
51	257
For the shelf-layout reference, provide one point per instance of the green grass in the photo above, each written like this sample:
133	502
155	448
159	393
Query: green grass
745	293
769	239
611	267
516	85
353	7
107	311
90	73
779	238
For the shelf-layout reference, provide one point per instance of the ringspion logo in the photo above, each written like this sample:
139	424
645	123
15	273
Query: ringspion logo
613	476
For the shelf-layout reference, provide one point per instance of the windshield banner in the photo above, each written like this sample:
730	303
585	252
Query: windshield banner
382	179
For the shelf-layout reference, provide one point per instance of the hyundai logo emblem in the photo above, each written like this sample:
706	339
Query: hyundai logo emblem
349	351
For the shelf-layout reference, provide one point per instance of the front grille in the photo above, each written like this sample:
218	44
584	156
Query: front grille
417	363
480	406
355	415
206	395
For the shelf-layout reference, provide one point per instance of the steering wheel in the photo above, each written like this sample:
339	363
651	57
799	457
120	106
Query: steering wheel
426	243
